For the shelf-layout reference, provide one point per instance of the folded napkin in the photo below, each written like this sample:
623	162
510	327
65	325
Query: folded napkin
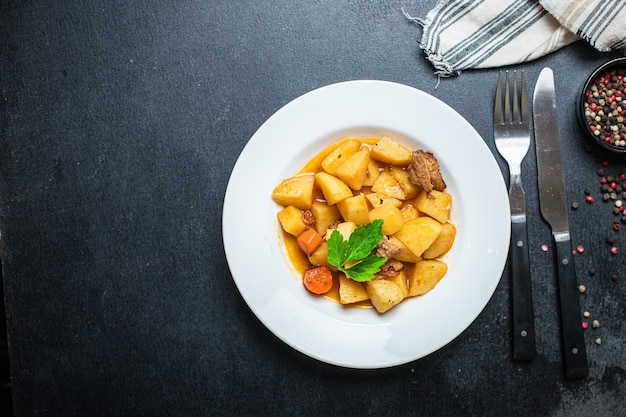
467	34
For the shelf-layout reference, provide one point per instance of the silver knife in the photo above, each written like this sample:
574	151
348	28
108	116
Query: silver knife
552	199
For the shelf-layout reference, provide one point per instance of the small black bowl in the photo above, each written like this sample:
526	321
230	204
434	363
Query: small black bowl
615	66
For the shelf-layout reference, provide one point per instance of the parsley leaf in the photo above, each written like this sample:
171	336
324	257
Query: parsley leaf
356	251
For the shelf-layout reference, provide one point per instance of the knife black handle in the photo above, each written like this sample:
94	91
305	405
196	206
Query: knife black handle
523	317
573	339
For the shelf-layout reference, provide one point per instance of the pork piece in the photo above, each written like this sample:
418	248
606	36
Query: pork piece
424	171
386	249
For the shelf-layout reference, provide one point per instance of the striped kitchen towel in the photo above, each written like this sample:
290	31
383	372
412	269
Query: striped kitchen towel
467	34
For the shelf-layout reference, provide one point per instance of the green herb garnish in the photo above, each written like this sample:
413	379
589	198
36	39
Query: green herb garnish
353	256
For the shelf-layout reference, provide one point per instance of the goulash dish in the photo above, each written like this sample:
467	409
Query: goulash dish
366	222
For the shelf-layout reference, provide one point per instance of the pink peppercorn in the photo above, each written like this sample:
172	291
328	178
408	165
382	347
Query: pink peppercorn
585	325
613	250
589	199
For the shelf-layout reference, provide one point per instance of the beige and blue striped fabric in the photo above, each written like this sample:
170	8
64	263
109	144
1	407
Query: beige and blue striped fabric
466	34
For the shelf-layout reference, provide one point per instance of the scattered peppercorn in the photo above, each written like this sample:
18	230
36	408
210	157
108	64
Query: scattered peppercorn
582	289
580	248
613	250
544	247
585	324
574	205
592	271
586	314
598	341
595	324
589	199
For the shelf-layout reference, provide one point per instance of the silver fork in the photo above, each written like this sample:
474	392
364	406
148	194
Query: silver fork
511	131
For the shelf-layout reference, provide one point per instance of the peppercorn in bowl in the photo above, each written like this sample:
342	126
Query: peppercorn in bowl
602	106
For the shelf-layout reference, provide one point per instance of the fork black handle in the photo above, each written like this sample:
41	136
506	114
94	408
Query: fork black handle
522	300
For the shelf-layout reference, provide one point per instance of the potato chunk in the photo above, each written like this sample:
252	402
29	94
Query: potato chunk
443	243
418	234
340	154
295	191
351	291
378	199
320	256
437	205
410	190
388	185
355	210
373	171
409	212
353	170
424	275
324	215
345	228
290	219
391	152
406	255
391	215
384	294
333	188
401	281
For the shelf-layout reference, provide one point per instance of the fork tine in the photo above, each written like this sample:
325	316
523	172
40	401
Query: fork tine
525	116
497	107
507	100
516	114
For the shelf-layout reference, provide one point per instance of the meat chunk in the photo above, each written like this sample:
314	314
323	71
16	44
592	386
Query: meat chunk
386	249
424	171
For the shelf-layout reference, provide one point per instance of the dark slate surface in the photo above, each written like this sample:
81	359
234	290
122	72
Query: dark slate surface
121	123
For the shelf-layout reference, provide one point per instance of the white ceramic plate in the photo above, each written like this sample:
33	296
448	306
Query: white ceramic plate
323	329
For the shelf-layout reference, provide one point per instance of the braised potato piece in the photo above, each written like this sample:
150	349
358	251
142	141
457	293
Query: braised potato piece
391	215
410	190
320	256
409	212
418	234
406	255
324	215
350	291
373	171
388	185
391	152
443	243
353	169
424	275
345	228
383	294
401	281
333	188
295	191
290	219
437	205
354	209
340	154
378	199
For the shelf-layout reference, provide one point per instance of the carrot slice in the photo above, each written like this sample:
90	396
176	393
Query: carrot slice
318	279
309	240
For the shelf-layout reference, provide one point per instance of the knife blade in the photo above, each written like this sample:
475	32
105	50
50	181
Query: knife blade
553	207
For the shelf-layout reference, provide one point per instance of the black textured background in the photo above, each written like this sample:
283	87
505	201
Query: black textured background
120	124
